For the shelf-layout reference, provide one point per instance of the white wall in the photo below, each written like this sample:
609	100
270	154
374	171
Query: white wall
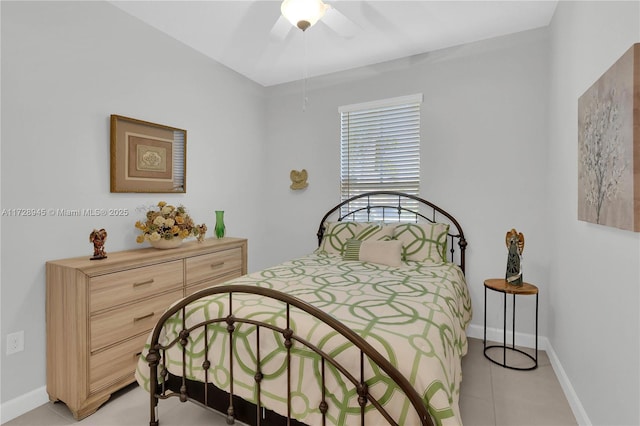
595	270
65	68
484	150
499	151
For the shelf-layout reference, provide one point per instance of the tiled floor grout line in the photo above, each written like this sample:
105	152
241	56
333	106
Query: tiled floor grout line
493	396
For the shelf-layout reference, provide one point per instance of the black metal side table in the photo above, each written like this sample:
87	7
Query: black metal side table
502	286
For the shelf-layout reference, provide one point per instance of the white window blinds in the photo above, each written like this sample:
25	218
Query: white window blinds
380	146
179	160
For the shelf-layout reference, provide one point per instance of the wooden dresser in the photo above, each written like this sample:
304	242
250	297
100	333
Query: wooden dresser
100	312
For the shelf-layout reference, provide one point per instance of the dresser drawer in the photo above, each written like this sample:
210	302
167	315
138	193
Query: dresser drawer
107	291
129	320
214	266
115	364
218	279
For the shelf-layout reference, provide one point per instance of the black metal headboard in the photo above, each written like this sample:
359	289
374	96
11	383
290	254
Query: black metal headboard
392	206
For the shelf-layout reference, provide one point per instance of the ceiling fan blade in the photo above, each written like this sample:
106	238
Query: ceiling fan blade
280	29
339	23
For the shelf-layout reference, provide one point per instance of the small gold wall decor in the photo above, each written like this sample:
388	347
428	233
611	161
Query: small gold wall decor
298	179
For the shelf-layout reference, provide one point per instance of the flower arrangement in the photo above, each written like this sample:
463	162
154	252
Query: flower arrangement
166	222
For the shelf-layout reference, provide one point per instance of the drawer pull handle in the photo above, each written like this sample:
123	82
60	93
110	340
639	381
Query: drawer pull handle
143	317
143	283
217	265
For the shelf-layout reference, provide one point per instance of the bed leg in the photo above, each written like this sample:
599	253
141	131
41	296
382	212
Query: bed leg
153	419
153	358
231	416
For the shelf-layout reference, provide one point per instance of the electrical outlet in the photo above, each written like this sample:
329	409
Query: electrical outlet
15	342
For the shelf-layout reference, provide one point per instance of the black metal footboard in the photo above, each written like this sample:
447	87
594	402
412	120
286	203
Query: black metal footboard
366	401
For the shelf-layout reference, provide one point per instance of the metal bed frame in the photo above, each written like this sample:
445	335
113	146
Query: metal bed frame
235	408
391	206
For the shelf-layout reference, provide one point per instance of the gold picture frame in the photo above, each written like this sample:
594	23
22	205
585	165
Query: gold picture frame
147	157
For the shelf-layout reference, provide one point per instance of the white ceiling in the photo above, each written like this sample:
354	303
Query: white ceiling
253	39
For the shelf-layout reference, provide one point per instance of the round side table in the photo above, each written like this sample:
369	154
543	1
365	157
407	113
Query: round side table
502	286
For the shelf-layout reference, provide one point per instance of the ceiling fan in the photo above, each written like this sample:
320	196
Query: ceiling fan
303	14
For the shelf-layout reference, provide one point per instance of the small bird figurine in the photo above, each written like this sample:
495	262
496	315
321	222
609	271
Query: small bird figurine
298	179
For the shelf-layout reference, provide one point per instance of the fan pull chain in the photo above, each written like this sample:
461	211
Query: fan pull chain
305	99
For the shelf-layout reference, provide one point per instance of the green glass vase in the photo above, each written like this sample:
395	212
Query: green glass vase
220	228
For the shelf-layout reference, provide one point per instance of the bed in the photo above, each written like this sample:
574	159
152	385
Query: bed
367	329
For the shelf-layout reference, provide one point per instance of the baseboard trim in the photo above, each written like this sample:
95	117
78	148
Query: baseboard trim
18	406
576	406
528	341
496	335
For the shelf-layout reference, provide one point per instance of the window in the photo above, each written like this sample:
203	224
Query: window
380	147
179	160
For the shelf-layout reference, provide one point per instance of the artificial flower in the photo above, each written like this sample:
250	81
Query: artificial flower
165	221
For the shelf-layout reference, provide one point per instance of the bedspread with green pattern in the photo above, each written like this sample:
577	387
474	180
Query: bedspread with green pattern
415	315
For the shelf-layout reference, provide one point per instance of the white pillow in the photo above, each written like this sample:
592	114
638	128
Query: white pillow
384	252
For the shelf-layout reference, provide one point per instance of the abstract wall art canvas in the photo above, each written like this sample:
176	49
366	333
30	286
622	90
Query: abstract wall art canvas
609	146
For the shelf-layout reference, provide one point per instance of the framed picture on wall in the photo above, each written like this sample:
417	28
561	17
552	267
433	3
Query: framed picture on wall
609	146
147	157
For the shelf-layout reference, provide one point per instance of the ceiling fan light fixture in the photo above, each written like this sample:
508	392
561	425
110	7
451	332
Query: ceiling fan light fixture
303	13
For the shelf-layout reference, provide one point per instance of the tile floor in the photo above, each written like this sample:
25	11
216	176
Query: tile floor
490	395
493	395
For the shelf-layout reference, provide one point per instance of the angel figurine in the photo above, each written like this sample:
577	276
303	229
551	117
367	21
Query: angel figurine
98	238
515	246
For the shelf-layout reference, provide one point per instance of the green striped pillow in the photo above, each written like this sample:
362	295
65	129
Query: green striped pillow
352	249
